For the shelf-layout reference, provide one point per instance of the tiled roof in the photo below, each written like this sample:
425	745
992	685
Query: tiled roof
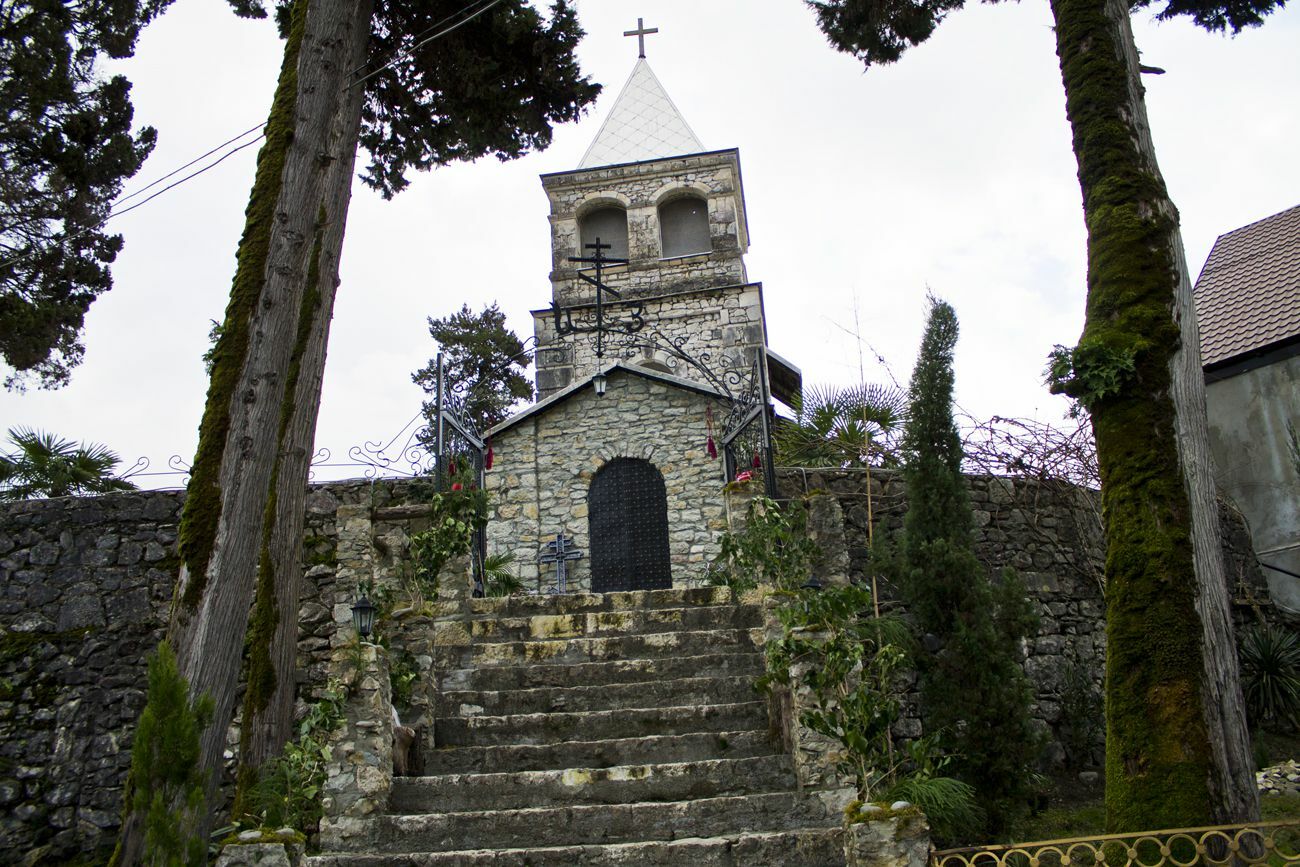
1248	294
643	125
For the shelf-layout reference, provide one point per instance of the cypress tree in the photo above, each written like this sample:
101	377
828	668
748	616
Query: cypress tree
974	694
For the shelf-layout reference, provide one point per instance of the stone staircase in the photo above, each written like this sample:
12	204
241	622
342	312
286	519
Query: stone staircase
602	729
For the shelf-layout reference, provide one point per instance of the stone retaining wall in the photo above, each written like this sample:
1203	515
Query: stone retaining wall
1051	535
85	585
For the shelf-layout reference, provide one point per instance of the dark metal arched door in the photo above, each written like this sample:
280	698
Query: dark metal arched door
627	519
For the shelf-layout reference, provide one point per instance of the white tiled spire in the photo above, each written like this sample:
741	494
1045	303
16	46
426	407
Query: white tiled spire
643	125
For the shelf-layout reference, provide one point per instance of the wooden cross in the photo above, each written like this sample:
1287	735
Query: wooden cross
640	33
559	552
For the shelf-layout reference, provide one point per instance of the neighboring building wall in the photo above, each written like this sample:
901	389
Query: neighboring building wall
640	188
1250	443
712	325
544	465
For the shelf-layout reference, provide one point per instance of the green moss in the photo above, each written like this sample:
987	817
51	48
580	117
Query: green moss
203	504
320	551
16	645
1157	761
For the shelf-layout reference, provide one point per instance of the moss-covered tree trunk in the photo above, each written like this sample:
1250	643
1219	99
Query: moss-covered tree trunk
260	414
273	631
1177	752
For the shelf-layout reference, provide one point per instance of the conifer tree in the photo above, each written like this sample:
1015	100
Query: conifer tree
483	360
419	84
1177	749
974	694
66	146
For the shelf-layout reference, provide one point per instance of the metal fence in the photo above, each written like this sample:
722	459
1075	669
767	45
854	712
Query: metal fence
1274	843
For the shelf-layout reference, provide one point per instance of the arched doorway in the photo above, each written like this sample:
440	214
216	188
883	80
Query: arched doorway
627	520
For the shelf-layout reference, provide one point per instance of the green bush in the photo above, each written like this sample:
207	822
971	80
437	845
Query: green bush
772	548
850	664
288	789
1270	675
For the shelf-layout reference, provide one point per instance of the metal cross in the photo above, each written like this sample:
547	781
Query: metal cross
640	33
559	552
600	260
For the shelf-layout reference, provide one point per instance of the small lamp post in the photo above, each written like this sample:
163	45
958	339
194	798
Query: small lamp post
363	617
599	382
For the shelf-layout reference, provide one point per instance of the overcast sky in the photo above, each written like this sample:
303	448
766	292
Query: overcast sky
950	170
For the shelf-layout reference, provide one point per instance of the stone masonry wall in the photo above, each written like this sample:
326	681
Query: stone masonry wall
640	188
545	464
85	586
712	323
1051	535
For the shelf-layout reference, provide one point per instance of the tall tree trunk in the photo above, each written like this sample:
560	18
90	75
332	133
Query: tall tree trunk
264	373
1177	752
273	633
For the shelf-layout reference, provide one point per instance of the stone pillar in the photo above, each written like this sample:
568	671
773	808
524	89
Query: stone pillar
813	755
826	528
359	774
879	837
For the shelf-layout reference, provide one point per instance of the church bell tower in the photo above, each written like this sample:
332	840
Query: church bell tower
674	212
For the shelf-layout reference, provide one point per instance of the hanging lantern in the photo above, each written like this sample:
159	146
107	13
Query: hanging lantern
363	617
487	459
757	463
711	449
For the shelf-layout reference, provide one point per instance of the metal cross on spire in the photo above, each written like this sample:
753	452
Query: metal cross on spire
640	33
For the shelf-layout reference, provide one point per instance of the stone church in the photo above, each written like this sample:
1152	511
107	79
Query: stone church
654	376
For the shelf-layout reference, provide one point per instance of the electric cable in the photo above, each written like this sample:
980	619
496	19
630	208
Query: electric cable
117	210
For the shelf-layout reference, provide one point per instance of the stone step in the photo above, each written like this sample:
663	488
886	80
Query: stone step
554	728
598	824
624	784
590	624
697	746
644	645
553	699
526	605
504	677
801	847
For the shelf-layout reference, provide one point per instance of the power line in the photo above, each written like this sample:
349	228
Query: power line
403	54
117	210
180	169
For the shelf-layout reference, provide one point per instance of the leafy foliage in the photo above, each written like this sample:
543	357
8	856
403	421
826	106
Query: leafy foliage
877	32
975	695
1270	675
482	360
45	465
65	148
772	548
842	427
850	664
1090	371
167	785
288	789
454	515
498	578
